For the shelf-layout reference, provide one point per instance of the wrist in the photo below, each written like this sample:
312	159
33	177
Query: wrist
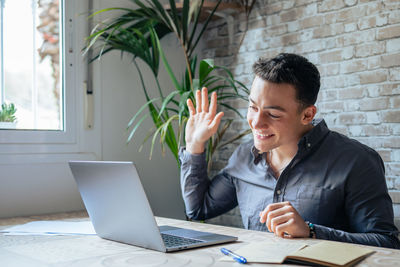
311	229
194	148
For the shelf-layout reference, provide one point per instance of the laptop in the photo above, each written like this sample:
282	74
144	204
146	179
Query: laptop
119	210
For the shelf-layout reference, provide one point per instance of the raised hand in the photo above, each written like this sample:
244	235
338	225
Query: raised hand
203	121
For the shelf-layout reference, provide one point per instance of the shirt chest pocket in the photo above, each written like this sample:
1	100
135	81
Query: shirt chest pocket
319	205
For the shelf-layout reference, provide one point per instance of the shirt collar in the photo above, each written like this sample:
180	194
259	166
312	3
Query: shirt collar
257	156
317	133
307	142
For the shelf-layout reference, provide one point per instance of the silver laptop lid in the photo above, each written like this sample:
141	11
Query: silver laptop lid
121	213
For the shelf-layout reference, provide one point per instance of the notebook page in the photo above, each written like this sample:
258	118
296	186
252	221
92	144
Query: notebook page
266	251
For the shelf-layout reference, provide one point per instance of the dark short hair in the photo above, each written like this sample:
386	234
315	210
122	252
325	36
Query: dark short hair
292	69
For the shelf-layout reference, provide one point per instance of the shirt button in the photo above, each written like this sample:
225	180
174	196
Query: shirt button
278	192
308	145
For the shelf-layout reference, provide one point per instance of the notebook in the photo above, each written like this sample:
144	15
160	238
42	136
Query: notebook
119	209
324	253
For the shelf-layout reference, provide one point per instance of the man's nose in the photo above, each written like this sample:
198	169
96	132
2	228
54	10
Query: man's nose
259	121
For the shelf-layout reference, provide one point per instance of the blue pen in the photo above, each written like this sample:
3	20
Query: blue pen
235	256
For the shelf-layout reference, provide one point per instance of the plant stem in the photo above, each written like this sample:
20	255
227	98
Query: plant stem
187	62
161	94
159	87
141	80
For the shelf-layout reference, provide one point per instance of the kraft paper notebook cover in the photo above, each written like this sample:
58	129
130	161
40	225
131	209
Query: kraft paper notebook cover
325	253
333	254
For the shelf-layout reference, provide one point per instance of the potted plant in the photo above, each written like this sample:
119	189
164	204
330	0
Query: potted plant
138	32
7	116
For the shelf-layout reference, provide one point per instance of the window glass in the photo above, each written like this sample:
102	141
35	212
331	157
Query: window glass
31	65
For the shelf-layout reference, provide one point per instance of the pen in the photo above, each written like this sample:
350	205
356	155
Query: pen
235	256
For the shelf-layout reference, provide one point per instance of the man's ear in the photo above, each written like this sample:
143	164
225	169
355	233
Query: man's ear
308	114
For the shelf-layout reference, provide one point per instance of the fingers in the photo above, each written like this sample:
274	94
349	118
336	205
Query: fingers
277	213
204	99
213	105
202	103
198	101
283	220
202	106
282	229
278	205
277	222
271	207
192	111
215	122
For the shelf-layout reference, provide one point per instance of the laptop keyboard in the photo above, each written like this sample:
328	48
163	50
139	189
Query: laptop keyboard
177	241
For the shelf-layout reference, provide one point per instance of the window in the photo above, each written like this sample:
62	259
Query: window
68	138
43	92
31	65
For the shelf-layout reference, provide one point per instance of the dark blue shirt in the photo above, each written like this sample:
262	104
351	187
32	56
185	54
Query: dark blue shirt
333	181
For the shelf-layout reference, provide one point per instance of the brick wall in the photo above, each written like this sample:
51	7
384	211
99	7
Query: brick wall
356	46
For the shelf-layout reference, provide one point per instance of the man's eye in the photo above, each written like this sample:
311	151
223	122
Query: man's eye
274	116
252	107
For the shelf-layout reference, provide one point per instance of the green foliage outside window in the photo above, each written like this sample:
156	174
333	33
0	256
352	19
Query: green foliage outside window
7	113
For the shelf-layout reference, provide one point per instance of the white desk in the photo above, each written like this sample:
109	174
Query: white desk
91	251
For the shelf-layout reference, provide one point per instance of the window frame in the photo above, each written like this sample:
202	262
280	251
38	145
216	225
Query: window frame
66	140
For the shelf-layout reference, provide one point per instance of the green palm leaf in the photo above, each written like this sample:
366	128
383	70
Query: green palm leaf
140	111
136	127
167	100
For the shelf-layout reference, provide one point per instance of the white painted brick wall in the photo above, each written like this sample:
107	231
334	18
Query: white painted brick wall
355	45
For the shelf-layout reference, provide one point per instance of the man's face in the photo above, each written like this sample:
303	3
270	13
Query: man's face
273	115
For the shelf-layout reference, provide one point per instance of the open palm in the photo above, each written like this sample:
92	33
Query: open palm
203	121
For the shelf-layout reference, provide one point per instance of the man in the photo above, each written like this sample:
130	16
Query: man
296	178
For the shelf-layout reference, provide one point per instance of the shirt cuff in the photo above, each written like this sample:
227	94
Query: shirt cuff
322	232
187	157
